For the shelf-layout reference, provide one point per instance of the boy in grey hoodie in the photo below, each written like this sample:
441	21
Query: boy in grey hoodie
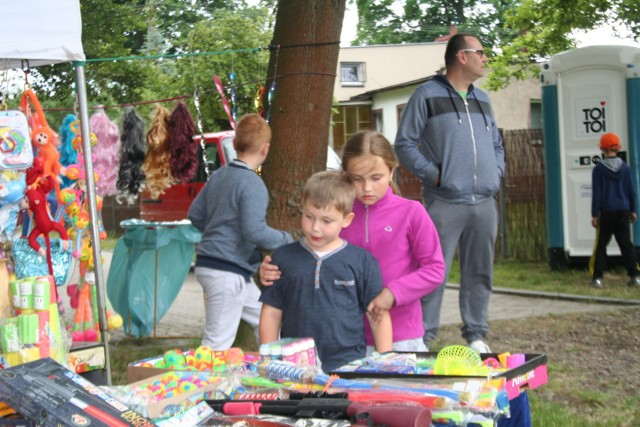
613	207
230	211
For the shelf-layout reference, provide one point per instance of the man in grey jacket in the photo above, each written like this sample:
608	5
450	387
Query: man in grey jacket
230	211
449	139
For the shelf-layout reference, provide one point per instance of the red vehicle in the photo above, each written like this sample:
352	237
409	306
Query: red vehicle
174	203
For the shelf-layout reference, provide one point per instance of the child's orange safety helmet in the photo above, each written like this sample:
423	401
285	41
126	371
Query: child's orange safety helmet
610	141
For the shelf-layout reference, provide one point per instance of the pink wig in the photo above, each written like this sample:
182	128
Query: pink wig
156	164
105	153
184	150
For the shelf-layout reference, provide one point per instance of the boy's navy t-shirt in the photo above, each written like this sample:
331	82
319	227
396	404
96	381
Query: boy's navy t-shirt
325	298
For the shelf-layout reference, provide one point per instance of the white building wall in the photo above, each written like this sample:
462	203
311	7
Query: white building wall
388	65
511	105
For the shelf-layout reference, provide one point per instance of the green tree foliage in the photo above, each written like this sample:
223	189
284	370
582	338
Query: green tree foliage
240	37
418	21
109	29
138	28
174	19
546	27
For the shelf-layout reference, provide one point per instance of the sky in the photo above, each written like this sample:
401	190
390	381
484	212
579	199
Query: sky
600	36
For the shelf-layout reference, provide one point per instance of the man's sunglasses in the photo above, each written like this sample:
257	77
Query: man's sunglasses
478	51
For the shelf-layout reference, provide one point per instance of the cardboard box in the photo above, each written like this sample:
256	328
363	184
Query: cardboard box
86	357
16	422
173	405
50	394
528	376
141	369
137	372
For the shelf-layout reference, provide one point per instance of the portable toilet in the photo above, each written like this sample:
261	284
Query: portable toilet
586	92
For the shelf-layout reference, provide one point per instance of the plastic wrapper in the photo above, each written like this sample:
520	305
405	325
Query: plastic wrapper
36	330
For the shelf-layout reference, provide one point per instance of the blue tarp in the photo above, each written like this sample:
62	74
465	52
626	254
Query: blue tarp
149	265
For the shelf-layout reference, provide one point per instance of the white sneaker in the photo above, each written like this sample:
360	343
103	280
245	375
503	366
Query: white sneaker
479	346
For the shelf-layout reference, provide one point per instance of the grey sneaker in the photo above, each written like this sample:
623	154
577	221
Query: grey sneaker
596	283
634	281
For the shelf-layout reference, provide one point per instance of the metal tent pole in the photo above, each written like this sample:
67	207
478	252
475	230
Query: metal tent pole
93	212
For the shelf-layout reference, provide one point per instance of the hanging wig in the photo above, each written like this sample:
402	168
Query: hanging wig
105	153
184	150
156	165
68	154
132	143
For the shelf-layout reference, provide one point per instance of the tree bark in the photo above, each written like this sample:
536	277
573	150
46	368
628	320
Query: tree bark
303	64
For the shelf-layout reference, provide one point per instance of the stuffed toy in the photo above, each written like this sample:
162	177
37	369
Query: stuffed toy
106	152
156	164
184	149
68	154
39	185
132	153
43	138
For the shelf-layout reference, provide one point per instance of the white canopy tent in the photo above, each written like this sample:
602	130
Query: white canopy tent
43	32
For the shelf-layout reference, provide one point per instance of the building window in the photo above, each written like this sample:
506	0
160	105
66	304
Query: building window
377	119
399	110
536	114
348	120
352	73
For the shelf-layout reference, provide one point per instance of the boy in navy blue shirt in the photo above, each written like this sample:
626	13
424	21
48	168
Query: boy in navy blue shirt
613	207
326	283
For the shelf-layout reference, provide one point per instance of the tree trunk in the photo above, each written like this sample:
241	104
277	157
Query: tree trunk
303	64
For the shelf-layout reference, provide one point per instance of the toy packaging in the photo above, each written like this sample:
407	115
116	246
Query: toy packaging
15	143
49	394
519	371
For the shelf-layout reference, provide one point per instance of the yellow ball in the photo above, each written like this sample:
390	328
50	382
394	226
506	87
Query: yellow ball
114	322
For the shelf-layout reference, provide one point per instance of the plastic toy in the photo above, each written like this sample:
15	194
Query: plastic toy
459	360
43	224
43	137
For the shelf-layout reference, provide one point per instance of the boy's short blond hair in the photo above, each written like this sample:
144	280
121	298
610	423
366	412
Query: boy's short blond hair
252	132
330	189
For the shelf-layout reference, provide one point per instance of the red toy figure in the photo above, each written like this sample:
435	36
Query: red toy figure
36	196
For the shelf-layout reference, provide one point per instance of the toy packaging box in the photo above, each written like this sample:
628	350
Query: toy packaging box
530	373
50	394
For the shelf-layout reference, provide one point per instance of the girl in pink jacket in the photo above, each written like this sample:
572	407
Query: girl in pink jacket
398	232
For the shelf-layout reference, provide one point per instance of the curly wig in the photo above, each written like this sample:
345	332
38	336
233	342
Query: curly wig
156	164
132	144
184	150
105	153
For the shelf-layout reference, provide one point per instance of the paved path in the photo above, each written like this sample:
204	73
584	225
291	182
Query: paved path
186	315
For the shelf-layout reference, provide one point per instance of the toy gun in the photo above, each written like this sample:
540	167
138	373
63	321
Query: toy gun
56	394
391	415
